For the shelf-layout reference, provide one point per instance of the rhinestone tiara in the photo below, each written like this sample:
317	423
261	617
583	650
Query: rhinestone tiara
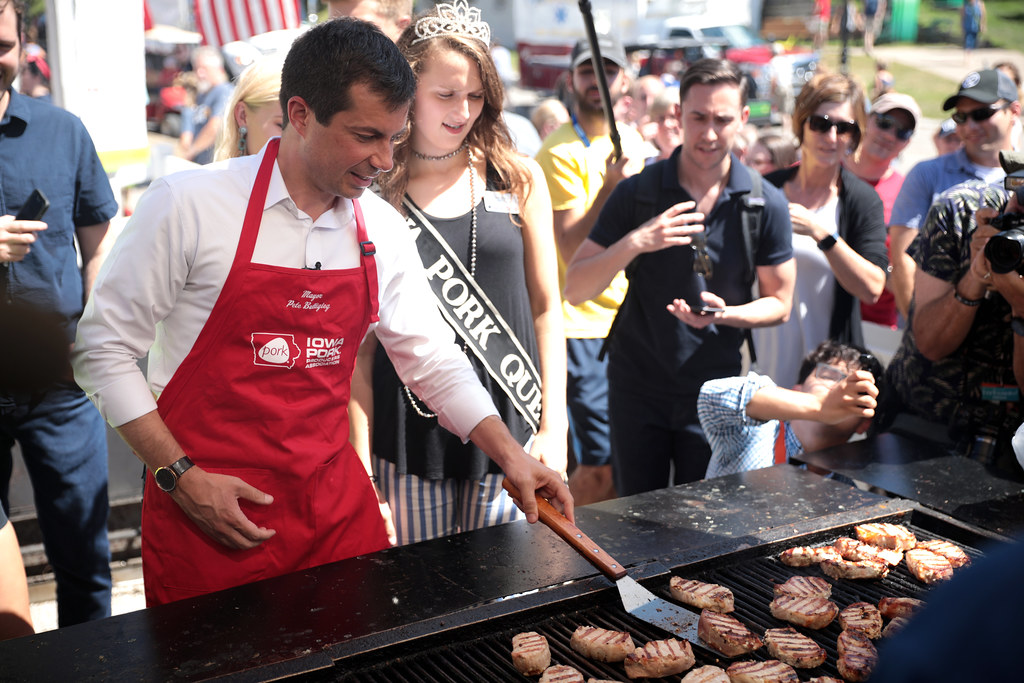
457	18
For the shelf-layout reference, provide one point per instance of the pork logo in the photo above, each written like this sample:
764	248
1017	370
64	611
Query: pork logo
274	349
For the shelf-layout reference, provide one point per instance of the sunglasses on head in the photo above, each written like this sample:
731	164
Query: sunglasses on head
978	115
886	122
822	124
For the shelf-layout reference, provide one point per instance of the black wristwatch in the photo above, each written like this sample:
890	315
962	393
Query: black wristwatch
1017	325
167	477
827	243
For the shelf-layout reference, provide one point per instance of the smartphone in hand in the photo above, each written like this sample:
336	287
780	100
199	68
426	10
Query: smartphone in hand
34	208
710	310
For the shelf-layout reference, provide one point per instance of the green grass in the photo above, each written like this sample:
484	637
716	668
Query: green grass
939	22
929	90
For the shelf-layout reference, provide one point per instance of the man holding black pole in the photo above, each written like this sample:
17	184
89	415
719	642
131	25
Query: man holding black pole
579	165
690	219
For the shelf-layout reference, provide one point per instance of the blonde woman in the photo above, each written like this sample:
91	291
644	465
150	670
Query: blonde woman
253	114
483	224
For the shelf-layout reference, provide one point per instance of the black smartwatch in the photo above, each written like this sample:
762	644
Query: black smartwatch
1017	325
827	243
167	477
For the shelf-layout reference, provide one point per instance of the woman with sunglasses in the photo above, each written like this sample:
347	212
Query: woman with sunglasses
890	126
838	230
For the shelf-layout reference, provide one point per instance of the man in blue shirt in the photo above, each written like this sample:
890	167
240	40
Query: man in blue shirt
675	329
745	417
200	129
61	434
986	108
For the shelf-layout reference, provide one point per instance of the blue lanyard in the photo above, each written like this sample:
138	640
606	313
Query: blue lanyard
579	130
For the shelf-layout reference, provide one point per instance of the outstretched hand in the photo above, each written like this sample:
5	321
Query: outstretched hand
853	396
695	318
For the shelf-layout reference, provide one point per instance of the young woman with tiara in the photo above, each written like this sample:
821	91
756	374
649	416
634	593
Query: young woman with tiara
481	217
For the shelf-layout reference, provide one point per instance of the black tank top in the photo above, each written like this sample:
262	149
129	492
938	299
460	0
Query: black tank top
418	445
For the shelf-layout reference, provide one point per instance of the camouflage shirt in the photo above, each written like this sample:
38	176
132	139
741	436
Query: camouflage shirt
949	390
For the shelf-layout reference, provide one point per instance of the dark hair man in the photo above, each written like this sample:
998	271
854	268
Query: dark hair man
689	300
257	278
581	174
745	418
62	437
986	108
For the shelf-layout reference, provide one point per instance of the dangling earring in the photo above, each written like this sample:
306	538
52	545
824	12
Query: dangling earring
242	132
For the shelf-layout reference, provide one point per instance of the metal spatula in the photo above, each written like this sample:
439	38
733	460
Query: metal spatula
637	600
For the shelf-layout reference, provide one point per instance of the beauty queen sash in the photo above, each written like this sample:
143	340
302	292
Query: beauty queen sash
475	319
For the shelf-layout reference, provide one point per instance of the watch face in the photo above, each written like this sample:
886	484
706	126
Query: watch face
1017	325
165	479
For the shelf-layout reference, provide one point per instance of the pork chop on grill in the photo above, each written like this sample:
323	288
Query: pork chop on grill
895	626
863	617
601	644
794	648
805	611
805	586
856	551
530	653
857	656
886	535
706	674
899	607
928	567
699	594
561	673
952	552
805	556
726	634
768	671
660	658
864	569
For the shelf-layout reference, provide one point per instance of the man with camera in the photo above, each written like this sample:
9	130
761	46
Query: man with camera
962	359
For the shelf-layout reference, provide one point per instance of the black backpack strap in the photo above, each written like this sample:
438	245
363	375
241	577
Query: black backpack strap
751	216
645	207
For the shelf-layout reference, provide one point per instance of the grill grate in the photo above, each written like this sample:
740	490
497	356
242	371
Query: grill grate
481	652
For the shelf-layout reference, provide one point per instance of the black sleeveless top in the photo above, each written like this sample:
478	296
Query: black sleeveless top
418	445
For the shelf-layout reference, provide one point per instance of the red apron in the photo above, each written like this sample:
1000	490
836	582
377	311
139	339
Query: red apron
263	395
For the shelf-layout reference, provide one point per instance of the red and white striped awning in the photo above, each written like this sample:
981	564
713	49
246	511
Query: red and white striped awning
222	21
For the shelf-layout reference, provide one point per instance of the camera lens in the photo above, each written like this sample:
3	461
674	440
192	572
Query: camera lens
1005	251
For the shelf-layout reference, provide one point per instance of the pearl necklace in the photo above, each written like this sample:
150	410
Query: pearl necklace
472	258
442	157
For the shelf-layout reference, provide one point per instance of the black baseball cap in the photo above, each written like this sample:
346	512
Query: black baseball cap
610	47
988	87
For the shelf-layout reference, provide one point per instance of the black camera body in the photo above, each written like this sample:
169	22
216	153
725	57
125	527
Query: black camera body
1005	251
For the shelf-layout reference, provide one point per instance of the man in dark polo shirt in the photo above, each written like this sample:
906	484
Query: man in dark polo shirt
61	434
676	329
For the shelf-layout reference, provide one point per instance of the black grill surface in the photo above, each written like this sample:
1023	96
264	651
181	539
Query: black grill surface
481	652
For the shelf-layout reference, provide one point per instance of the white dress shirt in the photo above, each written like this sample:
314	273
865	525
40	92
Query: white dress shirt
162	278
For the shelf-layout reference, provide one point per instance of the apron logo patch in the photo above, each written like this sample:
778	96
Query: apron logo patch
274	349
322	351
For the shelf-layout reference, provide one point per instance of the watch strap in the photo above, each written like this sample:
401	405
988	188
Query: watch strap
1017	325
181	465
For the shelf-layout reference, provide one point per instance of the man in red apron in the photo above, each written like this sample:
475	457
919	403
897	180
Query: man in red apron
251	284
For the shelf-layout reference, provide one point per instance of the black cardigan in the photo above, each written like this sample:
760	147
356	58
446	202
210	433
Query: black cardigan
862	226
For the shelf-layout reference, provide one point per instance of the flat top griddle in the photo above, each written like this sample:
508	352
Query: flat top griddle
481	651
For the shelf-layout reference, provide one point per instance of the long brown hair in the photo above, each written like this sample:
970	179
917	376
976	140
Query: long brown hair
489	134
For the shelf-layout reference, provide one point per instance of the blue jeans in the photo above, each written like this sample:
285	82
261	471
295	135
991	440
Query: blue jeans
64	445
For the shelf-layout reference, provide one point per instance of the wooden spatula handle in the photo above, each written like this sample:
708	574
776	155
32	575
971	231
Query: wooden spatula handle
571	534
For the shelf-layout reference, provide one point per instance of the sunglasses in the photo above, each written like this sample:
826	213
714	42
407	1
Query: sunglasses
831	373
822	124
886	122
978	115
701	260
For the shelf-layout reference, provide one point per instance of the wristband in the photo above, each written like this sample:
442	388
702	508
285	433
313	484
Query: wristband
828	242
967	302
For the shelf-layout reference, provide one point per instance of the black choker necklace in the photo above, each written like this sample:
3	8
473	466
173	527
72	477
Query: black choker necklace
442	157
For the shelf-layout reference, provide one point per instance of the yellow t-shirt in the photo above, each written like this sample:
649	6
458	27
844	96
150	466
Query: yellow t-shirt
575	174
